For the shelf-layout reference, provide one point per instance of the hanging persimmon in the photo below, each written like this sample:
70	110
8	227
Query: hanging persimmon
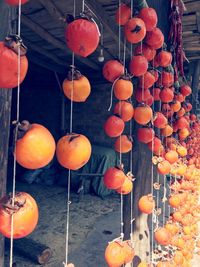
145	50
126	187
182	123
175	105
179	97
114	178
76	86
167	111
135	30
187	106
25	215
147	80
166	79
164	167
155	38
112	70
123	88
167	131
166	95
123	144
182	151
122	14
164	58
124	109
143	114
146	204
183	133
143	264
145	135
128	251
155	144
114	126
149	16
15	2
164	264
35	146
159	120
155	74
171	156
162	236
114	254
156	93
138	65
73	151
82	35
181	112
185	90
149	101
142	95
9	62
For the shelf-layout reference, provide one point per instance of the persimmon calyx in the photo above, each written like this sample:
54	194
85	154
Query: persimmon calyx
15	43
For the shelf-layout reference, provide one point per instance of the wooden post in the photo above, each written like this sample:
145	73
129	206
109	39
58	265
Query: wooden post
195	85
142	163
5	108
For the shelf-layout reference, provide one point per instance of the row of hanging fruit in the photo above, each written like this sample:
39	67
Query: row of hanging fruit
171	133
176	153
35	146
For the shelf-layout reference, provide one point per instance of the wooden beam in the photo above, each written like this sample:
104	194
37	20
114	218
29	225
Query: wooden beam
193	57
190	47
44	52
7	13
195	85
193	6
198	21
42	63
59	17
107	21
55	42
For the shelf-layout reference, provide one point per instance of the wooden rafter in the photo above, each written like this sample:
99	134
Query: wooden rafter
42	63
44	52
107	21
55	42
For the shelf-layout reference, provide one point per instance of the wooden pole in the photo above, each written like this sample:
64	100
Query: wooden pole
5	108
142	163
195	85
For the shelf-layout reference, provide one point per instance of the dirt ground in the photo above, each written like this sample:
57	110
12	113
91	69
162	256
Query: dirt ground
88	232
93	223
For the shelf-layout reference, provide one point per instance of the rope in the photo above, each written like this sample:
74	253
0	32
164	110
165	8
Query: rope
83	6
69	171
152	192
111	94
131	170
131	155
15	135
119	29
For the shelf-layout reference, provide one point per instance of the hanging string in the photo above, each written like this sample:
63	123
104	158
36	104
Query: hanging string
152	192
119	32
164	201
69	171
15	134
131	155
111	94
83	6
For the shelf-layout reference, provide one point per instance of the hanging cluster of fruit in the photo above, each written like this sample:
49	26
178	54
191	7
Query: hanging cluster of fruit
35	147
167	127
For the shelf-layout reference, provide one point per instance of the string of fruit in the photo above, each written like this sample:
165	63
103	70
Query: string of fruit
34	146
170	132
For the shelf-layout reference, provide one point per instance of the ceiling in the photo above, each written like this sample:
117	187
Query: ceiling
43	32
